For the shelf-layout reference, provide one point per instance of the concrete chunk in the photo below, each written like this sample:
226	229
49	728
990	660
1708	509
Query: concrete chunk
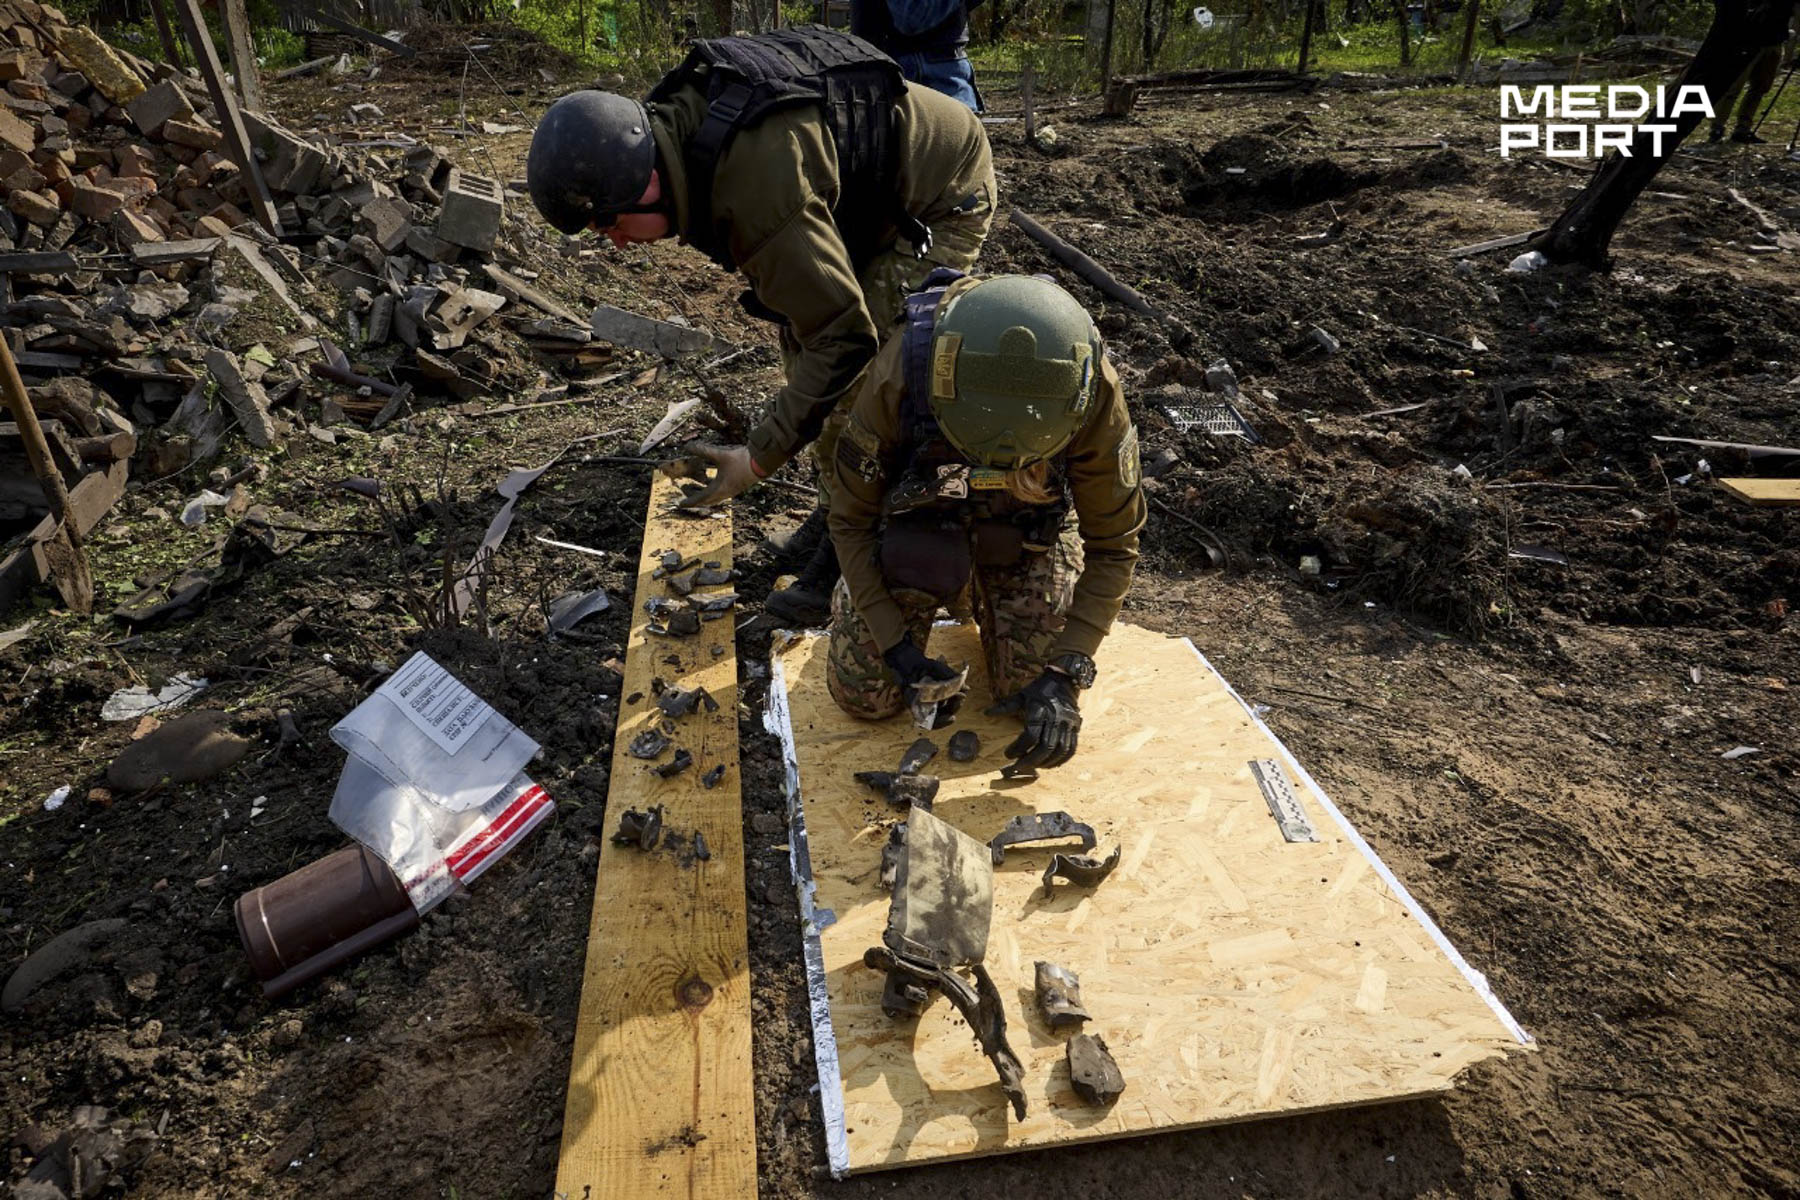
386	221
194	132
163	103
246	399
102	65
471	213
174	252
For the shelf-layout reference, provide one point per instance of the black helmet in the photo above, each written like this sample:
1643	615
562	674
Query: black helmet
591	158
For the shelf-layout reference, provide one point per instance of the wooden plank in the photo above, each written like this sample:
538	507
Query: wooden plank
660	1100
516	290
231	121
1764	493
89	500
1499	243
1233	974
31	262
243	53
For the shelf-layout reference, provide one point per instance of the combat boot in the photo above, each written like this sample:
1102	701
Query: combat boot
1745	136
796	546
806	603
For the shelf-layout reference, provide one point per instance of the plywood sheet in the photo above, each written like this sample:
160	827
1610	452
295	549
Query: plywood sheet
660	1100
1233	974
1773	493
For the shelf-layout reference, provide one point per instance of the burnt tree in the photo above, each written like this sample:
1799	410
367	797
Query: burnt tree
1741	29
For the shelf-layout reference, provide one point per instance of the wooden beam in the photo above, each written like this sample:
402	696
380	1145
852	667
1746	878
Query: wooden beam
1749	448
660	1099
243	52
1764	493
231	122
1499	243
356	31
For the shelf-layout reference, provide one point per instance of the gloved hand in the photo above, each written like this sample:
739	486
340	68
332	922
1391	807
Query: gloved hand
1052	721
735	474
913	668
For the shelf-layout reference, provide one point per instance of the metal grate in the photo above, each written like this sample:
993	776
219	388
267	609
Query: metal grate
1219	418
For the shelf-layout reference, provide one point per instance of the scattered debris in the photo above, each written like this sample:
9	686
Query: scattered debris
572	608
55	799
675	766
1092	1071
1059	996
930	695
1080	869
636	332
1740	752
922	751
640	829
96	1155
649	744
964	746
128	704
1039	827
711	779
902	791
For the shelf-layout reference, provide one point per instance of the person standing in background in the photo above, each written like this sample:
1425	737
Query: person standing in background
928	38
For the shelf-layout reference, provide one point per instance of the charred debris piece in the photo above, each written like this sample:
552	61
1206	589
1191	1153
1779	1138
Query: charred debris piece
640	829
1059	996
1096	1076
1083	870
964	746
1039	827
938	921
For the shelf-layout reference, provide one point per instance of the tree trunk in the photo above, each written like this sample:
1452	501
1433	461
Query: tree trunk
1740	30
1405	33
1468	42
1306	32
1112	12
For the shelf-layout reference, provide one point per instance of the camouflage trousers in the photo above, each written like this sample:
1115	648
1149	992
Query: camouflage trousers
1019	610
889	278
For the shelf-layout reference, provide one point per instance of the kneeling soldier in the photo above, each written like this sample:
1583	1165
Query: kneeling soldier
988	449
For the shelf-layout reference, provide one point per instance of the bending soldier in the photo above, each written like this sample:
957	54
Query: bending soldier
756	151
989	448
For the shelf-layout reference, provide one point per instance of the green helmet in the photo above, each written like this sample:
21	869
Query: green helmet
1015	362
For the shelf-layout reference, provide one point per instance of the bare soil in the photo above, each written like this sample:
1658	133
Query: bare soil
1535	747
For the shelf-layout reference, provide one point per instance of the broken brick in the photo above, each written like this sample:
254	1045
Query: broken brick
134	160
134	229
17	63
193	133
386	221
16	133
28	89
36	207
93	201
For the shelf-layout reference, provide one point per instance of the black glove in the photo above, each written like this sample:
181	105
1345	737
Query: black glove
1052	721
913	668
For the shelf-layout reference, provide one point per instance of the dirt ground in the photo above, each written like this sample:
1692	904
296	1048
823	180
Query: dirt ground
1535	747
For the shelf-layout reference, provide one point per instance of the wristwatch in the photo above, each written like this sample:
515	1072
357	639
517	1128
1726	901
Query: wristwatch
1078	667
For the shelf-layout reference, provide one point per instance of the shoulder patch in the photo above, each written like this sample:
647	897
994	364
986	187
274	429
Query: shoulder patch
1129	471
859	451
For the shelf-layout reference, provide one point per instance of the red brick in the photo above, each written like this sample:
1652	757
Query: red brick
28	89
27	178
99	173
134	228
229	214
135	161
37	207
94	202
191	133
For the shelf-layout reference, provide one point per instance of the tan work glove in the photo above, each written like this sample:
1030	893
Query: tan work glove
734	473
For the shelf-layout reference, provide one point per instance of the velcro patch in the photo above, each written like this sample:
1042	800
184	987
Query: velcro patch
1129	470
859	451
943	365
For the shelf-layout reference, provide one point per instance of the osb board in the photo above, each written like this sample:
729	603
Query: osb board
1233	975
660	1100
1775	493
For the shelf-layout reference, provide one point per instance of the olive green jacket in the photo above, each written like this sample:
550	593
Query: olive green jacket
1103	480
773	191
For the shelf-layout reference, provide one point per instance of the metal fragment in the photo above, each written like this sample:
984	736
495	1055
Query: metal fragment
1079	869
710	780
700	849
648	744
675	766
1096	1076
1039	827
917	791
1059	995
964	746
640	829
917	755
